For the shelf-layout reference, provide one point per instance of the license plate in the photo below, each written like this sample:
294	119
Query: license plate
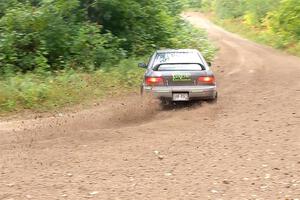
181	97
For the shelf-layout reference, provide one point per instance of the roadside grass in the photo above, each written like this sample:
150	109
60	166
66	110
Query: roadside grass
48	91
259	35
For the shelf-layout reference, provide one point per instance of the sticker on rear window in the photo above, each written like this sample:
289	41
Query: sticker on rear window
182	77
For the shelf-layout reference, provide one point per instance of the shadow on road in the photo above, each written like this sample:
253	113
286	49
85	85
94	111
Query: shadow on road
181	105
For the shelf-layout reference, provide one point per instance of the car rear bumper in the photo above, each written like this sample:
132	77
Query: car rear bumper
195	92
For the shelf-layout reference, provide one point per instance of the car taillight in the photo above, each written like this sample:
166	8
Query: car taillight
154	81
207	80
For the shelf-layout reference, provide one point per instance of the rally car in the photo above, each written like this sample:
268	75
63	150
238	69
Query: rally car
179	75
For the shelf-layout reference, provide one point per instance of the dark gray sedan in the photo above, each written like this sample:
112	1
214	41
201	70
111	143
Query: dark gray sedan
179	75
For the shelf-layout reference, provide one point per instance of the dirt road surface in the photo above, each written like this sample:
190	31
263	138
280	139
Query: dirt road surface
247	146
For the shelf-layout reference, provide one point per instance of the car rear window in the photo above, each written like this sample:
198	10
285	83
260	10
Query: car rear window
179	67
177	57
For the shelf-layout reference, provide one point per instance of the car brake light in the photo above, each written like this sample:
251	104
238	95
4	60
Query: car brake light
208	80
154	81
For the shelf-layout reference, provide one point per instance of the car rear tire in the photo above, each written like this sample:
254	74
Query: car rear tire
142	90
165	102
213	99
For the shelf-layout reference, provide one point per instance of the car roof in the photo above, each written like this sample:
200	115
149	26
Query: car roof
178	50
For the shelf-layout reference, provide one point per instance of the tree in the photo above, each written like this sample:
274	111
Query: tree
286	18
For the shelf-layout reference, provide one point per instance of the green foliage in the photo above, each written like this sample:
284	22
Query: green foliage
58	34
5	5
273	22
286	18
49	37
256	11
142	25
189	37
227	9
47	91
194	3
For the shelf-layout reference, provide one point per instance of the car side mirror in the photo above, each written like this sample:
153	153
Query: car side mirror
142	65
209	64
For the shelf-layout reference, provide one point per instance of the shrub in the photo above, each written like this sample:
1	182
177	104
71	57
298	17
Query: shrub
48	37
42	91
